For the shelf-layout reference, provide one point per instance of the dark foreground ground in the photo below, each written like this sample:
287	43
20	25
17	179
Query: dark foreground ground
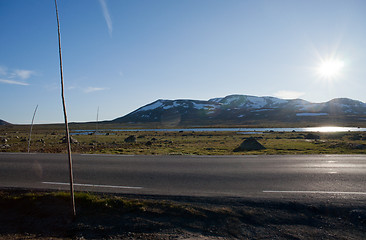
46	215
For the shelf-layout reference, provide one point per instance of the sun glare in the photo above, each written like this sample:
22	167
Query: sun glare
330	68
329	129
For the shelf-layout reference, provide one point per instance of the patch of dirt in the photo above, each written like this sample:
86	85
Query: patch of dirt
47	216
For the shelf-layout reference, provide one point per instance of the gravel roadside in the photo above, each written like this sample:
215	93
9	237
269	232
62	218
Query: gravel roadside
40	215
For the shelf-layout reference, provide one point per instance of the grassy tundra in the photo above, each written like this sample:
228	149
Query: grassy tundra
48	139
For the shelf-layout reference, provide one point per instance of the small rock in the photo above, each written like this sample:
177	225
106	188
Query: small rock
72	140
312	136
131	139
357	146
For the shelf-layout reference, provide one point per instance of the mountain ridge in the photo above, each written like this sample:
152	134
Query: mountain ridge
245	109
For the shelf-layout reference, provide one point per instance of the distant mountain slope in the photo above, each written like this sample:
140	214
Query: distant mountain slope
244	109
2	122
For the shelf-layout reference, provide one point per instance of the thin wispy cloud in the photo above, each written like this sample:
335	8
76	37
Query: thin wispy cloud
107	17
3	70
288	94
71	88
94	89
6	81
23	74
15	76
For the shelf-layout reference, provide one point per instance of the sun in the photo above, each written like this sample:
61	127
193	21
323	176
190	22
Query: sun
330	68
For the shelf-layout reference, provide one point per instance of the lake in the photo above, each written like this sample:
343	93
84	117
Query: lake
328	129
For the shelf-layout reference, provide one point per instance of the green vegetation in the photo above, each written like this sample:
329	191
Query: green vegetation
48	139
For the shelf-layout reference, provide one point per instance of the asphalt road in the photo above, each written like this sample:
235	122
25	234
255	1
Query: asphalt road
277	176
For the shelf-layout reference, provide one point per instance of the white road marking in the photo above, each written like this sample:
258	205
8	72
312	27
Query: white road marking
332	172
107	155
92	185
223	156
316	192
18	153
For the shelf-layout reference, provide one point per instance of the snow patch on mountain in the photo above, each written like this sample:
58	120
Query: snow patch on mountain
251	102
152	106
263	102
277	101
216	100
255	102
209	108
175	104
241	108
231	99
199	106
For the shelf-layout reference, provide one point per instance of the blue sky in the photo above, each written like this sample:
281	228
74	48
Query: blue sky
121	54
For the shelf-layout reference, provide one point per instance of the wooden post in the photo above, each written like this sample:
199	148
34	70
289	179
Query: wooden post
30	132
65	116
96	127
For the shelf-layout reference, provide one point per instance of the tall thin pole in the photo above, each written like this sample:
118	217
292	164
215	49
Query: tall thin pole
96	126
65	116
30	132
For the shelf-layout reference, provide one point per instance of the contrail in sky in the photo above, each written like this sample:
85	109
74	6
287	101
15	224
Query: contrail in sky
107	17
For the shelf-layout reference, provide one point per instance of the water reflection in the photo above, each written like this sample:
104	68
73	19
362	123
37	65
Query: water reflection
333	129
330	129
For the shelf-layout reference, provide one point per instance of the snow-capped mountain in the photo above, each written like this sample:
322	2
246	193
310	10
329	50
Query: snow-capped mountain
244	109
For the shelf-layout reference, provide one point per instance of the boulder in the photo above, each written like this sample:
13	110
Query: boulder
312	136
357	146
249	144
72	140
130	139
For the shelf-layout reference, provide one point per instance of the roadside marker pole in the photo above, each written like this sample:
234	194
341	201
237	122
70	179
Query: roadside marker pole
65	116
30	132
96	127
